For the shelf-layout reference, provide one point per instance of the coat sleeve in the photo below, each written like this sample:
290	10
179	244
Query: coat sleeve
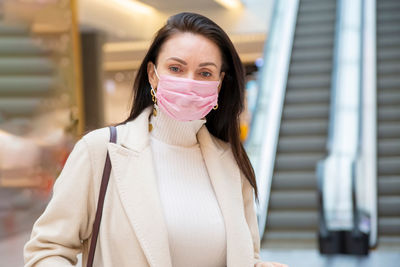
251	217
58	234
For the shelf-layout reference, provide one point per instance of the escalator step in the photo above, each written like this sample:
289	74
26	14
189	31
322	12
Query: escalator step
389	226
389	165
302	57
389	242
391	82
389	185
388	54
312	43
389	206
26	85
389	41
20	46
391	16
388	130
20	106
26	65
294	180
316	6
290	235
294	219
12	30
316	81
389	113
304	128
389	147
292	112
387	5
300	67
321	29
390	68
299	162
301	144
388	29
310	96
389	98
293	199
325	17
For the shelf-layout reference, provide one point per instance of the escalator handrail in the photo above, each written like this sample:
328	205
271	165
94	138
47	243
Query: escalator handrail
341	107
320	168
368	111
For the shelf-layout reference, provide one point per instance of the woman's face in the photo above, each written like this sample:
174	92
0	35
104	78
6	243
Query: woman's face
188	55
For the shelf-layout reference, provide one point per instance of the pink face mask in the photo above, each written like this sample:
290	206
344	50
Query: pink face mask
186	99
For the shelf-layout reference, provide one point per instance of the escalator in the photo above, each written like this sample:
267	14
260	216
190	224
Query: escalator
292	220
388	94
26	77
26	72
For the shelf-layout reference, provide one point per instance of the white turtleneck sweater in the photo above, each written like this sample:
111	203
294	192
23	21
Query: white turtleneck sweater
194	220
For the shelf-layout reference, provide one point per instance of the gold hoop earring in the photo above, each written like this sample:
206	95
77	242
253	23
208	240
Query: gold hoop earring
153	94
215	107
154	99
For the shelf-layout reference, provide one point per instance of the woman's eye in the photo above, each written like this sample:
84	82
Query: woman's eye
174	69
206	74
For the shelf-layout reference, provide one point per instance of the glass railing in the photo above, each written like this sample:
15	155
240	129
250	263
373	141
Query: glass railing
262	142
346	184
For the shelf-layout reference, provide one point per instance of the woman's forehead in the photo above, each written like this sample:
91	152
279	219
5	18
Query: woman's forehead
192	48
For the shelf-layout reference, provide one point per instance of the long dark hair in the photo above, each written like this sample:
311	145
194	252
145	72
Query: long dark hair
223	122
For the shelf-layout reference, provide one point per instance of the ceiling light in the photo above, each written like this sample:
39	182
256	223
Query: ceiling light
230	4
135	6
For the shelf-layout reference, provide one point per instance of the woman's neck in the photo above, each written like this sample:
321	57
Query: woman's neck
174	132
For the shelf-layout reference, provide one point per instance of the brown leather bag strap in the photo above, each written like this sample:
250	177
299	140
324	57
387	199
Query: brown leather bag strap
100	203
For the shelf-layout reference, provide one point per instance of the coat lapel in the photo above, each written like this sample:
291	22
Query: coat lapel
133	171
225	178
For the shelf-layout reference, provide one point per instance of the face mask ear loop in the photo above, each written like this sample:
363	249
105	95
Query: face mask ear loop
219	82
155	70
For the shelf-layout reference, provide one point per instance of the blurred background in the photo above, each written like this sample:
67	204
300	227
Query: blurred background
321	125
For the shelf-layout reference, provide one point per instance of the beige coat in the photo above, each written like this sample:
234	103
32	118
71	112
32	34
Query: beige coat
133	231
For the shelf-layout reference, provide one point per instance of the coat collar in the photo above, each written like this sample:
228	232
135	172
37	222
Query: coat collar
136	135
133	171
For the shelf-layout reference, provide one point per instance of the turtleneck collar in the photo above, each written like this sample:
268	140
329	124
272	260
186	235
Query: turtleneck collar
174	132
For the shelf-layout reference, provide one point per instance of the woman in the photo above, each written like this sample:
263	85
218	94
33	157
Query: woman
181	187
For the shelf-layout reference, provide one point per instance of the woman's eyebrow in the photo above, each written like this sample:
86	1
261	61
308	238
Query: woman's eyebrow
184	62
207	64
179	60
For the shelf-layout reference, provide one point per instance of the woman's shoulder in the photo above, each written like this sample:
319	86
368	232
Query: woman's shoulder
209	139
221	144
137	126
100	137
